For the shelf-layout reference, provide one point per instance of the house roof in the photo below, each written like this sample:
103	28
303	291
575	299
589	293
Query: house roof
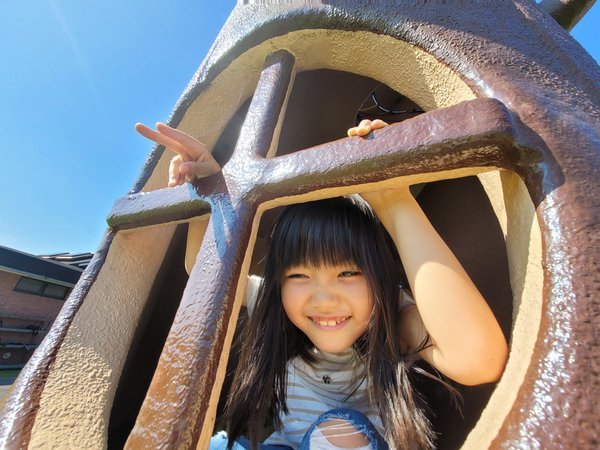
80	260
39	268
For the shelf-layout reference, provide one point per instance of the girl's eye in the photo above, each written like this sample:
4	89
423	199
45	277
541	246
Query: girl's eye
350	273
295	276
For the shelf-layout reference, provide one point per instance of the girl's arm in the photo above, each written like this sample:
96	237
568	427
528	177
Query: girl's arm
468	345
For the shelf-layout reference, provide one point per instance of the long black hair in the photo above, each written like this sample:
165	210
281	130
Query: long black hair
323	233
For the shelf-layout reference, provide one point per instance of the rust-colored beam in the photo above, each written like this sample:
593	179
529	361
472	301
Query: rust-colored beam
567	12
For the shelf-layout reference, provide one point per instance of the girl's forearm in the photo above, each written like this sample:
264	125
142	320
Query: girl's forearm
468	343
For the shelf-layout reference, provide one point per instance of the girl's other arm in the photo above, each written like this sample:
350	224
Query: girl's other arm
468	344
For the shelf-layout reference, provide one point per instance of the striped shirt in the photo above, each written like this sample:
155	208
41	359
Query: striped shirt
308	396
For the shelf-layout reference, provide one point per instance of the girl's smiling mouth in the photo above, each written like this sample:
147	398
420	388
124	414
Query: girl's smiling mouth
330	323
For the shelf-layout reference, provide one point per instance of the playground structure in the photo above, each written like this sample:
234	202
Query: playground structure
510	134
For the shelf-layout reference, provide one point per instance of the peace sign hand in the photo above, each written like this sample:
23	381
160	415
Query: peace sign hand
193	159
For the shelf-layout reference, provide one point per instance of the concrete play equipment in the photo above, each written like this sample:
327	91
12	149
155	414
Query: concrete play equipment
506	157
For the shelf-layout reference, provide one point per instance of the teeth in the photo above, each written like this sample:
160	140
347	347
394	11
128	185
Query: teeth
329	323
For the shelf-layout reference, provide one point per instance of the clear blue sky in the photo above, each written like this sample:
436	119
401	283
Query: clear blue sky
76	75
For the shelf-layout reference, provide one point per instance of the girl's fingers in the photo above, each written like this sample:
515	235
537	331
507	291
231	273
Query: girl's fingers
193	159
163	139
193	146
175	176
377	124
198	169
366	126
359	130
363	128
147	132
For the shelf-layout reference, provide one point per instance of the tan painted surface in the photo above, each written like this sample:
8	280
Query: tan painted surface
492	184
197	228
403	67
4	391
76	402
524	248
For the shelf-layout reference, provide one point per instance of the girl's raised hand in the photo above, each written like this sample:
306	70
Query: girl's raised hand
365	127
193	159
467	342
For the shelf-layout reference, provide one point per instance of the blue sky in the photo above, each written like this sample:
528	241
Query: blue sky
76	75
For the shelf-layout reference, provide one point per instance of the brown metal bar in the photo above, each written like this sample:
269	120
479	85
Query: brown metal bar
259	132
567	12
177	401
452	134
477	133
160	206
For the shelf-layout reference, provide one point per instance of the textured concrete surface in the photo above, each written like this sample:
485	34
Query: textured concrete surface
76	401
4	392
437	54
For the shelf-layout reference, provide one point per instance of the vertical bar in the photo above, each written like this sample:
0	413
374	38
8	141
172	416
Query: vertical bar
177	401
260	133
566	12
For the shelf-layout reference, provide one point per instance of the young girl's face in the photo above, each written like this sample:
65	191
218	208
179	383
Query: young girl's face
330	304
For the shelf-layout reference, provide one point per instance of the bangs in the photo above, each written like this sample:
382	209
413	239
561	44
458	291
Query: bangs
327	232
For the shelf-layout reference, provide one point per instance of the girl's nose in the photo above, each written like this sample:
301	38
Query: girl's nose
324	296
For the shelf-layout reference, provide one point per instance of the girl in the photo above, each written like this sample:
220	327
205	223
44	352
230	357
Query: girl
327	356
